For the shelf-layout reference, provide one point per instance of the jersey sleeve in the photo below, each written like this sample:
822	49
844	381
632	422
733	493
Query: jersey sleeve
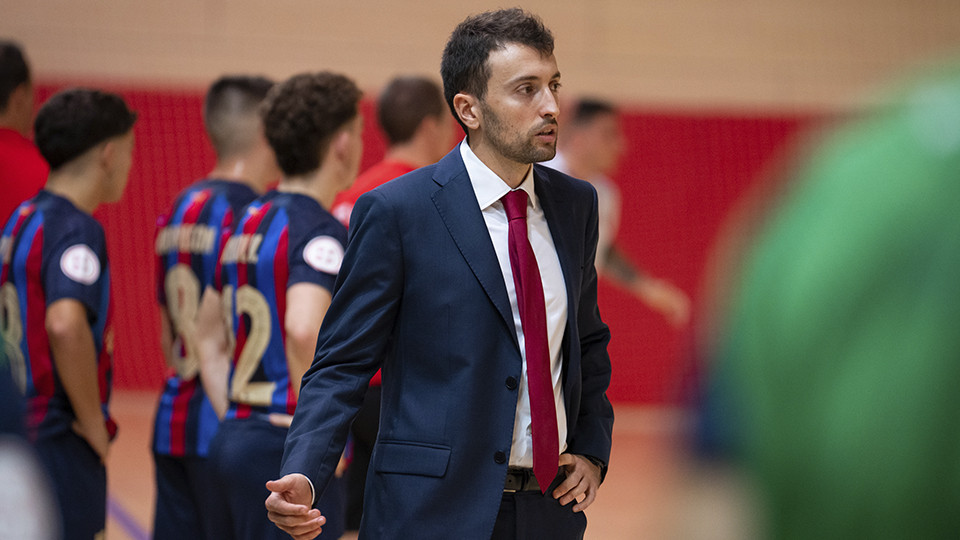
76	267
317	256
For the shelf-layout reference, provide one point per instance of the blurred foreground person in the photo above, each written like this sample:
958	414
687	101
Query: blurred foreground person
837	368
27	507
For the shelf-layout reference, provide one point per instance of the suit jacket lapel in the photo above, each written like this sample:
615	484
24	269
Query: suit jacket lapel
457	204
553	204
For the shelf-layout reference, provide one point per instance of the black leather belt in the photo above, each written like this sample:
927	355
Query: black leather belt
520	480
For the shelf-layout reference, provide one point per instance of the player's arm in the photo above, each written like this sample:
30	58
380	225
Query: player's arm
660	295
307	303
166	337
616	267
214	349
75	357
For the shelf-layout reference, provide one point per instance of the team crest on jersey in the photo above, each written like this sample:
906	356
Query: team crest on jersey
80	264
324	253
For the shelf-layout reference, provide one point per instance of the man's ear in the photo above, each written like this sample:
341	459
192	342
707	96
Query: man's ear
340	145
468	109
106	153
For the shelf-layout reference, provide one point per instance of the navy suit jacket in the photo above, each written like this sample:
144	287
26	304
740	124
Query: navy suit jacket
420	294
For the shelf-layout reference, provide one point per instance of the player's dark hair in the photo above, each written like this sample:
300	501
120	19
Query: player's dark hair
13	71
587	109
75	120
301	115
464	65
404	104
231	112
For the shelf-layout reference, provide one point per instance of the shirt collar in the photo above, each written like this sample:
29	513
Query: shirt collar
487	186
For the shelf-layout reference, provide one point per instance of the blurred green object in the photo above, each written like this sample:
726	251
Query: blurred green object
839	366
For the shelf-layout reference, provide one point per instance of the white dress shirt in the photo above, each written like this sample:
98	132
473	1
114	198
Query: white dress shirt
489	188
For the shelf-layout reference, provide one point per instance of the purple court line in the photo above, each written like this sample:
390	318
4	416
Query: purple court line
116	512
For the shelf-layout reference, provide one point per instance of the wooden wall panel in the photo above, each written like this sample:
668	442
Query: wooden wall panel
742	54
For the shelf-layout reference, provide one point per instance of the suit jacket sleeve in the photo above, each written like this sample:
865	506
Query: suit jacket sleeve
352	339
592	435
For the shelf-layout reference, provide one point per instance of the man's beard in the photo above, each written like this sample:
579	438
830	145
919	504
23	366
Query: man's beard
522	148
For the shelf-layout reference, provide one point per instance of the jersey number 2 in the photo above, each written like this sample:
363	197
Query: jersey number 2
250	302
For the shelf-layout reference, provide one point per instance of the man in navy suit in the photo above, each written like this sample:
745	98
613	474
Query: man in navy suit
428	291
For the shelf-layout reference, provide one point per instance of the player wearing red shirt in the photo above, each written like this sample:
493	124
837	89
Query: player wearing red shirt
412	114
23	170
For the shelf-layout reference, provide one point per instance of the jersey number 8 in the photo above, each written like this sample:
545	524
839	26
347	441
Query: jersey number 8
182	289
11	328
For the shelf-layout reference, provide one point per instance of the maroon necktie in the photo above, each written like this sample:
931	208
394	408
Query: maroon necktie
533	319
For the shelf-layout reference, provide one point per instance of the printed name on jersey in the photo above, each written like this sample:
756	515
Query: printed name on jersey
186	239
6	249
324	253
80	264
242	248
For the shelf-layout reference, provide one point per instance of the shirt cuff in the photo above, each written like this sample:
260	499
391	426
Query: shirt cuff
313	491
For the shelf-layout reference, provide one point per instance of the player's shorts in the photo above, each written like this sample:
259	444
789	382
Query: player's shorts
79	480
245	454
185	486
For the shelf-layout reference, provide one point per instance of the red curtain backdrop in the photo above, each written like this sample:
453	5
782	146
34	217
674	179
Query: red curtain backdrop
680	176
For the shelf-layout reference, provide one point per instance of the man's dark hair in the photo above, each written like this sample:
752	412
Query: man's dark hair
464	64
589	108
13	71
404	103
231	112
301	115
75	120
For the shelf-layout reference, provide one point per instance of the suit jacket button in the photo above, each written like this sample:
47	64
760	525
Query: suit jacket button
500	458
511	383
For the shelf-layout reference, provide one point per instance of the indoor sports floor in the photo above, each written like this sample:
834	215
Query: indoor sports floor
651	492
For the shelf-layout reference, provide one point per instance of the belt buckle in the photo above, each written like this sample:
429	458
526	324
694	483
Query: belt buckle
513	482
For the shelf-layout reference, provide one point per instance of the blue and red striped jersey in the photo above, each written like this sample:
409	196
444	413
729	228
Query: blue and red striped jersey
51	251
281	239
188	244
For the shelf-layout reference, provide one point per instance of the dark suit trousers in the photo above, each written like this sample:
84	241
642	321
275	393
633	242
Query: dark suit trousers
531	515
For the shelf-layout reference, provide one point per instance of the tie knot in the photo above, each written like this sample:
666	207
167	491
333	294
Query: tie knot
515	203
